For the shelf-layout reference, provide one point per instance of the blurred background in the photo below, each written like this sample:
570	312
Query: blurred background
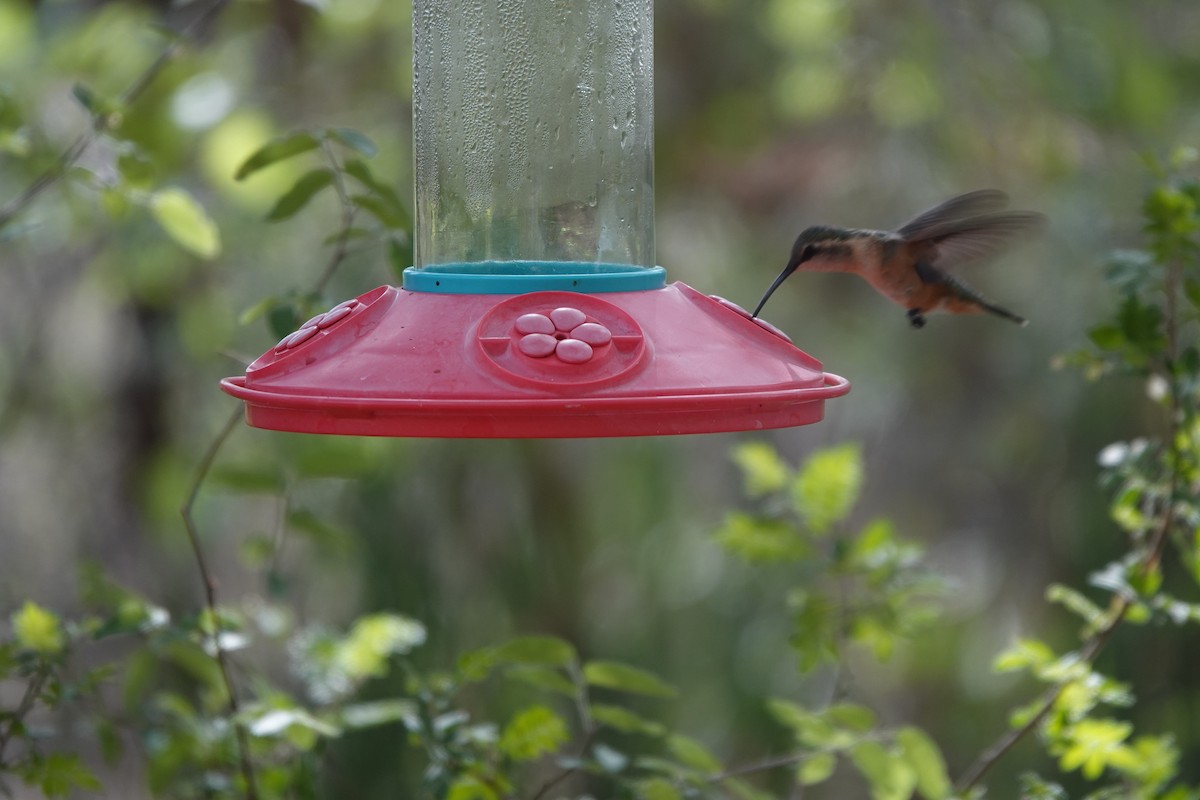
771	115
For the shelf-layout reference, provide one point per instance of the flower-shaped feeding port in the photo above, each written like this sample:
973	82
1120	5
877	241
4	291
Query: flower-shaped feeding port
564	332
560	338
312	327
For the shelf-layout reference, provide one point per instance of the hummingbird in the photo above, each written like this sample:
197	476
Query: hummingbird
911	265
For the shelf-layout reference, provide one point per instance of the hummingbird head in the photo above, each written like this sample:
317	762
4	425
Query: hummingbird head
815	246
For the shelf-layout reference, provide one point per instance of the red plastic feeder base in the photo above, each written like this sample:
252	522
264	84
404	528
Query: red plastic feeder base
543	364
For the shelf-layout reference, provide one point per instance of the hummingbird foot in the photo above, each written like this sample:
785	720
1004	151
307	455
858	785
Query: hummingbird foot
916	318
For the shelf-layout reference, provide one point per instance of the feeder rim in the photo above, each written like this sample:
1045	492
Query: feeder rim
832	386
520	277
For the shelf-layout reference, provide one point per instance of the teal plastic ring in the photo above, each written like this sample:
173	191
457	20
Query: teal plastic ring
519	277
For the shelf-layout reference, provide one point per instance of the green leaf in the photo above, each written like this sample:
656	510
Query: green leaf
89	100
1094	744
656	789
761	541
815	628
1034	787
354	140
890	777
1191	290
1030	654
391	216
533	733
59	773
809	728
693	754
1107	337
38	630
544	650
301	192
851	717
546	678
186	222
1156	761
624	678
815	769
468	787
275	151
926	760
626	721
827	486
763	471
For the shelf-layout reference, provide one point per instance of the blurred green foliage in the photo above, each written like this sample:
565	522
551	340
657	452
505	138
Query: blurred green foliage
479	619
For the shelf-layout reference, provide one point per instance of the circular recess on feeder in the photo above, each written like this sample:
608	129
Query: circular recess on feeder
516	277
559	339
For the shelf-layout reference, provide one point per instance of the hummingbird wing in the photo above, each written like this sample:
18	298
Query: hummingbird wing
975	239
938	218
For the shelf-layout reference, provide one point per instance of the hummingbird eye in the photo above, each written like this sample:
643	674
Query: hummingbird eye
809	252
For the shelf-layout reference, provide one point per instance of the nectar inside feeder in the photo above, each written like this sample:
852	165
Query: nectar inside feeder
534	308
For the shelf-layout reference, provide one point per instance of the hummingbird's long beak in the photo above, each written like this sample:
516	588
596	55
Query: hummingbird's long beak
788	270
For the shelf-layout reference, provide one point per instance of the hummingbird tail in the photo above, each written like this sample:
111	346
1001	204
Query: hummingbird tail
1004	312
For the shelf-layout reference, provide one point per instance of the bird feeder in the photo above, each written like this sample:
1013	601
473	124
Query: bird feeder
534	308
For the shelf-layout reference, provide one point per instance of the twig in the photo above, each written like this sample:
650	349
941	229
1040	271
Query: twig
341	246
210	597
101	122
27	700
1150	561
590	729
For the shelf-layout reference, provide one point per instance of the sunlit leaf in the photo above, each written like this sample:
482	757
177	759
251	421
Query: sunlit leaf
926	760
1024	654
468	787
376	637
656	789
38	630
186	221
889	776
761	541
693	754
817	768
827	486
533	733
809	727
850	716
1094	744
763	471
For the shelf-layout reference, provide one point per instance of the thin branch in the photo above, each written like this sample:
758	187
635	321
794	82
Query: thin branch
32	690
210	597
590	729
1149	563
341	246
101	122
